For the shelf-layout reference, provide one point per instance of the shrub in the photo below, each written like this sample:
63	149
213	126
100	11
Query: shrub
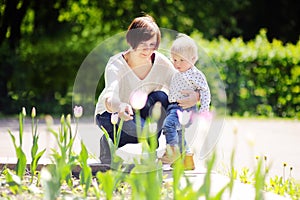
261	77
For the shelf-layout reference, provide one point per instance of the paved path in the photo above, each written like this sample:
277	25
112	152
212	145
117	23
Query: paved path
278	140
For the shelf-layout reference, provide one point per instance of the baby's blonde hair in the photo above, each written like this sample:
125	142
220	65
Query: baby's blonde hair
185	47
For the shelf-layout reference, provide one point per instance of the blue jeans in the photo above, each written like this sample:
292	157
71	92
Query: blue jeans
129	133
171	126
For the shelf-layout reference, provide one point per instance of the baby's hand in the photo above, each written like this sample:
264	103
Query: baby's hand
191	99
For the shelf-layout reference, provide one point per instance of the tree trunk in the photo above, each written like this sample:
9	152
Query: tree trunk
12	18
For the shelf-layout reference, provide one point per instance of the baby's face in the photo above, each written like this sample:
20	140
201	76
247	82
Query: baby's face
180	63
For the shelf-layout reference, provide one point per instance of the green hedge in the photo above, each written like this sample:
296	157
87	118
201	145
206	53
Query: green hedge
42	76
260	77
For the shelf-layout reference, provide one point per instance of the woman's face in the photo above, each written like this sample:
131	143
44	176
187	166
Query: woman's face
146	48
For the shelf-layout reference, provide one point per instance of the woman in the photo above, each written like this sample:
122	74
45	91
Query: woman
141	68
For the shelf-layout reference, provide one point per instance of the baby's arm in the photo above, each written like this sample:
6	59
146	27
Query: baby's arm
205	96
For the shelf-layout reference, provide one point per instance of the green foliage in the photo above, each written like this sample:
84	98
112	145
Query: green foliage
42	45
92	18
113	146
45	74
259	177
261	77
146	178
14	181
22	161
145	181
284	187
51	182
60	172
183	187
245	176
109	181
64	158
86	171
35	155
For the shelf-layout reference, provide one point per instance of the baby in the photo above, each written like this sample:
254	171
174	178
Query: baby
184	55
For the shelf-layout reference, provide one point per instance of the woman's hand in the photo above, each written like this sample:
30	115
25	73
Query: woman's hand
191	99
125	111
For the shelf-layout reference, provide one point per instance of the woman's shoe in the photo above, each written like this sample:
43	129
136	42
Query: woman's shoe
171	155
105	155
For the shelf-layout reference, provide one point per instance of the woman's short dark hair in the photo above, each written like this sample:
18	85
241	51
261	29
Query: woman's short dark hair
142	29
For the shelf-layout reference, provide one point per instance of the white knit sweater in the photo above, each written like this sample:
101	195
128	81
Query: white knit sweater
121	81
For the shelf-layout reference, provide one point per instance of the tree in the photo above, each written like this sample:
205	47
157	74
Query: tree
11	20
281	18
72	28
